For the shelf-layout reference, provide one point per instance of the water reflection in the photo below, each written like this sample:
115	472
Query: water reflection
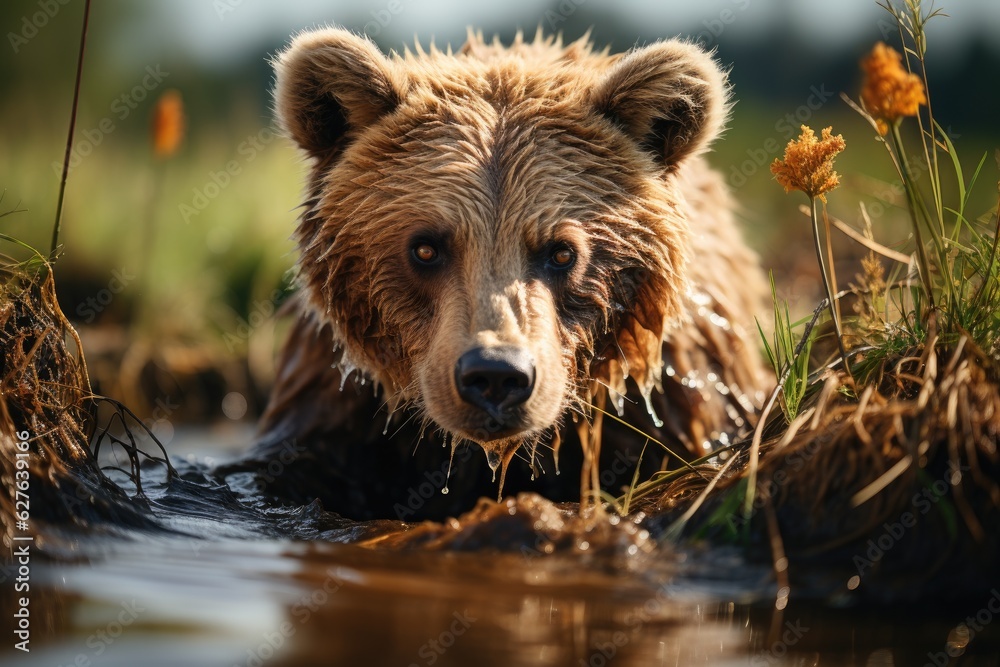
184	601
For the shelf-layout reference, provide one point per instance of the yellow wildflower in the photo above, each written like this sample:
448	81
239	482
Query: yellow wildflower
168	124
808	163
889	91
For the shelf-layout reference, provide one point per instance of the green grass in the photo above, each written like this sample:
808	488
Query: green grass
122	212
788	354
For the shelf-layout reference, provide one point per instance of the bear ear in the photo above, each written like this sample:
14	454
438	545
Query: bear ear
670	97
331	82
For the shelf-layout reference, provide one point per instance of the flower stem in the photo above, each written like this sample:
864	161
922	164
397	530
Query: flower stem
909	185
830	296
72	128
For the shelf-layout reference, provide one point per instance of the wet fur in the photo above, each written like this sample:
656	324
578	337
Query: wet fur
500	152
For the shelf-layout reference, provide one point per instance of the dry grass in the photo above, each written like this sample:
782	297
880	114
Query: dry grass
45	391
903	421
930	408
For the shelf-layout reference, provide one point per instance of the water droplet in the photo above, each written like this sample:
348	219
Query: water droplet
493	460
451	459
649	408
503	475
556	443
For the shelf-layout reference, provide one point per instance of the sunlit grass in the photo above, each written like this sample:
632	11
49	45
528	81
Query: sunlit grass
237	247
916	352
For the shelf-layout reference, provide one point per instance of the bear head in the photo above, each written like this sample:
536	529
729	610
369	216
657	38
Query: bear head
496	233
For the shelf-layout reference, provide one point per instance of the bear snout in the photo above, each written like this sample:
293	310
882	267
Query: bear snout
495	379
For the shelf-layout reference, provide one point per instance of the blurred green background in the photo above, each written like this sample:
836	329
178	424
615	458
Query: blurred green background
173	266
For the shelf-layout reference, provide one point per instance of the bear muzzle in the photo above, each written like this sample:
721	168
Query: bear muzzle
497	380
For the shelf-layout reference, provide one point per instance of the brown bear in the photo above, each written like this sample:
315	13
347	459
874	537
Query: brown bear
494	242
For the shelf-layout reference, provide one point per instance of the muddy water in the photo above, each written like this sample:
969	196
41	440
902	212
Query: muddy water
230	581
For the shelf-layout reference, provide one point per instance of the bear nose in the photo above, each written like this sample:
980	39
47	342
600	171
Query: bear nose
495	379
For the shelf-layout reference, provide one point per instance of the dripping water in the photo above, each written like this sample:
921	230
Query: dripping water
493	460
345	374
556	441
503	474
648	395
532	464
388	420
420	437
451	459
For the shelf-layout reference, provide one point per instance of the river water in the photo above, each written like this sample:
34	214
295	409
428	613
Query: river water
229	581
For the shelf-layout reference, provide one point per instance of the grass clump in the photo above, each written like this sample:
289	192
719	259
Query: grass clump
908	401
46	401
788	354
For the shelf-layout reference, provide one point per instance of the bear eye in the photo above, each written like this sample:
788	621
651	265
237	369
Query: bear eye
562	257
425	252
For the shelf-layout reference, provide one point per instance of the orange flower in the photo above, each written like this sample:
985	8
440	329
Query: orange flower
889	91
168	124
808	163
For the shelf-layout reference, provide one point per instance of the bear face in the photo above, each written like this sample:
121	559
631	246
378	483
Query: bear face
493	234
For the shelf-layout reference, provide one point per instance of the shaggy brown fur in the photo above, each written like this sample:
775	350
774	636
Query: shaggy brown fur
496	159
